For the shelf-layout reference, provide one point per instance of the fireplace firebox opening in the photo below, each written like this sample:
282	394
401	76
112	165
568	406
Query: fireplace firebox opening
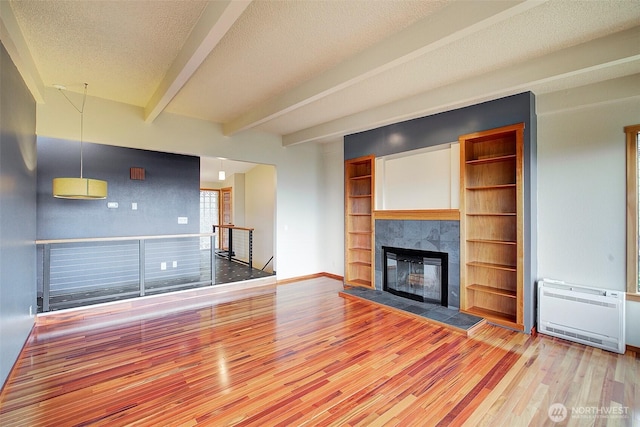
416	274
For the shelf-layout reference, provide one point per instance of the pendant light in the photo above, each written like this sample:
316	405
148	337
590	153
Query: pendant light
221	174
79	188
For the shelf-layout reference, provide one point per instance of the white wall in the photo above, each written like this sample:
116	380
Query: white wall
260	213
332	199
210	185
298	191
254	205
238	198
582	197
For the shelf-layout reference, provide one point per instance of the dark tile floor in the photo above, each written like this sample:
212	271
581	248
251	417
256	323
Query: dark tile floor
448	316
225	272
230	271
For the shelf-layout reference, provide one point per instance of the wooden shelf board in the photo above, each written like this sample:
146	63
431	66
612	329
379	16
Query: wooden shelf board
491	187
364	263
360	196
353	178
360	232
491	159
492	290
361	282
495	316
359	248
495	242
359	214
494	266
492	214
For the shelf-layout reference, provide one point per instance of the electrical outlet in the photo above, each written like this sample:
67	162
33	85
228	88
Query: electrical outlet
183	220
163	266
175	264
134	206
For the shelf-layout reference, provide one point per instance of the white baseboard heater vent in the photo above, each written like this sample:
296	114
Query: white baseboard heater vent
586	315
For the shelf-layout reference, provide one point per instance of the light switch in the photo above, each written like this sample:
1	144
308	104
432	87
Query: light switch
134	206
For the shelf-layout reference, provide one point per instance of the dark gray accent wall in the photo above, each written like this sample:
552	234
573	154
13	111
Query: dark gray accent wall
171	189
17	213
442	128
446	127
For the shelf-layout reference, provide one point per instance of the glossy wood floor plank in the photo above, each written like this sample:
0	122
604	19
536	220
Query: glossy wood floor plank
300	355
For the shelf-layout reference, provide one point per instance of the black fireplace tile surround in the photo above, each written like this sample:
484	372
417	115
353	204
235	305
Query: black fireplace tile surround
427	310
428	235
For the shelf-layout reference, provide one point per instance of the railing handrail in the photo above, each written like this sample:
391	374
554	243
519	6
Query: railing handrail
121	238
232	227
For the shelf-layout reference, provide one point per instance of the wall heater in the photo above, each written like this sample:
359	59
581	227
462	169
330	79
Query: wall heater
586	315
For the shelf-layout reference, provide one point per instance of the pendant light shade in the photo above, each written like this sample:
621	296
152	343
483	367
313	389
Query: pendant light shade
79	188
221	174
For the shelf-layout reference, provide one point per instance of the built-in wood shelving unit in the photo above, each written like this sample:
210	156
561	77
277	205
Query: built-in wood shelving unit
491	225
359	185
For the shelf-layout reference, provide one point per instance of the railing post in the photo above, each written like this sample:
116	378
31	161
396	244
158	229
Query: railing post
230	230
213	257
46	276
141	256
250	248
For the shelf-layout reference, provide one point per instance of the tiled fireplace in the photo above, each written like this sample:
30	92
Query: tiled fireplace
416	274
426	235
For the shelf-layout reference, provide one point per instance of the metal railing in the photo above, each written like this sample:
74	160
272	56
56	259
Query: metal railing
237	243
76	272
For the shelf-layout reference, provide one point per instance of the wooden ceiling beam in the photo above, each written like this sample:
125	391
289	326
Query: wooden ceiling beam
587	58
16	46
216	19
454	22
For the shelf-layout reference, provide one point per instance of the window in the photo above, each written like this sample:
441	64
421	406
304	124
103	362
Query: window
633	208
209	215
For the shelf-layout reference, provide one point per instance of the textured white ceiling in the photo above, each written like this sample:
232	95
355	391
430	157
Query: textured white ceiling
525	37
121	48
313	69
277	45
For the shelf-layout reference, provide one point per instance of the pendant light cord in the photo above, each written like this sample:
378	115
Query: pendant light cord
81	111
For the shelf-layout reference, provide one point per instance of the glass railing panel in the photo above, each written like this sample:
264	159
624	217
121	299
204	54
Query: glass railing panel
176	263
94	272
81	272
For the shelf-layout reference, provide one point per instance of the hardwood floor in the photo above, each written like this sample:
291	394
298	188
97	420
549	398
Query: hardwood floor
300	355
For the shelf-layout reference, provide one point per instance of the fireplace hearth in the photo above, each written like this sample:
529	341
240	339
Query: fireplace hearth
416	274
